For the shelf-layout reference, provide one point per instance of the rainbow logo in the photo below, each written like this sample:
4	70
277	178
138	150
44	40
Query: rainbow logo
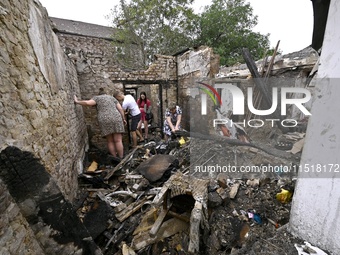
211	91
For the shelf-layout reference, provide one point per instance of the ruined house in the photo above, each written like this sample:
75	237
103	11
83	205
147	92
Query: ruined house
45	136
41	125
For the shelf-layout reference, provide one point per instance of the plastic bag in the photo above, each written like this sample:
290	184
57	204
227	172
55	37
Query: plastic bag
284	196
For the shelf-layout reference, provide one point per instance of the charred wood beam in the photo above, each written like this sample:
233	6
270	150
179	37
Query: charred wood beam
121	164
195	222
320	11
222	139
150	82
260	84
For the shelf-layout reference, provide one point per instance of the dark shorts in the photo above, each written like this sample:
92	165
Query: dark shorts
134	122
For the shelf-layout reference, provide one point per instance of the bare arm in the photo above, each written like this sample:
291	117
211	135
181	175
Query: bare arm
90	102
179	118
121	111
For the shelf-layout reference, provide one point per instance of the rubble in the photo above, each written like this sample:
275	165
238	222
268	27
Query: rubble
307	248
157	167
152	202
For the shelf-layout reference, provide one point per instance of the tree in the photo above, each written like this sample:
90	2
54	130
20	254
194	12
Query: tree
156	26
226	26
169	26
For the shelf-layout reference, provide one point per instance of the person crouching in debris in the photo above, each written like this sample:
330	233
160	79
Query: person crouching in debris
129	103
172	123
111	119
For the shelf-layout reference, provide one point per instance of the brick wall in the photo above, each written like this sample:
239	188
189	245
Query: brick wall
96	67
16	237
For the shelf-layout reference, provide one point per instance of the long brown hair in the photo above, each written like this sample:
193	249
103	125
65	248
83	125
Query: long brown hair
140	98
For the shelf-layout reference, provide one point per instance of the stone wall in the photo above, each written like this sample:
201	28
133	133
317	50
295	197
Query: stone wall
38	116
16	237
37	87
96	67
167	79
53	220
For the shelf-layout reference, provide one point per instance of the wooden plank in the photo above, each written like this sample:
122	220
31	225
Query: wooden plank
195	222
261	86
158	222
234	190
264	64
121	164
271	63
167	229
160	196
131	209
258	82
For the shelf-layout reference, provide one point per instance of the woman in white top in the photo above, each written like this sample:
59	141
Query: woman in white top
129	103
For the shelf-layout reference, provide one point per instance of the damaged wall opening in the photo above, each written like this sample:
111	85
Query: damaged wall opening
154	93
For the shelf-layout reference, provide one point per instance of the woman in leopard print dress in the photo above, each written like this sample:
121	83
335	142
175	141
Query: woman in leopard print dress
111	119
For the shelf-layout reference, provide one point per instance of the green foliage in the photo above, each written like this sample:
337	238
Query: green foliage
226	26
169	26
157	26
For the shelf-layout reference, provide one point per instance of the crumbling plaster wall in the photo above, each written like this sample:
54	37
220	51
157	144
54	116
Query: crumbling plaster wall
37	87
315	214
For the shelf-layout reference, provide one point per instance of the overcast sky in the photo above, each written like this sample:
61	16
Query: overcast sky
290	21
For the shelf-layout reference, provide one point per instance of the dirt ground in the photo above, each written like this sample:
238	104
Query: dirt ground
245	213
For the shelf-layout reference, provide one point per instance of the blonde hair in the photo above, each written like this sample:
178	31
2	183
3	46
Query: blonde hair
117	93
